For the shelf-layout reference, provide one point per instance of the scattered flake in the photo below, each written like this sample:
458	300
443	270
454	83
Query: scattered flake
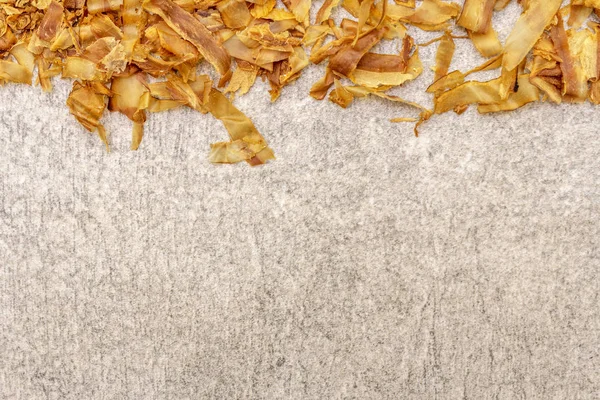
111	47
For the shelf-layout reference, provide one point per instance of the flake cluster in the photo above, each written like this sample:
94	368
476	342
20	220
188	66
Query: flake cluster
140	56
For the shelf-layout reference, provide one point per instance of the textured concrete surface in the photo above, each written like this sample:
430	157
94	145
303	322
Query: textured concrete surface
363	263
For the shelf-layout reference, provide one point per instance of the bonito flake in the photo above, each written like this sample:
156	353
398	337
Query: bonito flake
141	56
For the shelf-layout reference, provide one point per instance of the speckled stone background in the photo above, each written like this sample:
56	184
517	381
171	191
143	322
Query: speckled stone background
363	263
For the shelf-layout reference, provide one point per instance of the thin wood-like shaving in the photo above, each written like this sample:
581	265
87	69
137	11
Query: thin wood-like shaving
528	30
192	30
246	143
476	15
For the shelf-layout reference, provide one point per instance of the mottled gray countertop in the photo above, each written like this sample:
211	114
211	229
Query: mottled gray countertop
363	263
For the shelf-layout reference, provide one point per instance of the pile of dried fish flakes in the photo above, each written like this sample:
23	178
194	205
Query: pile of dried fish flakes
139	56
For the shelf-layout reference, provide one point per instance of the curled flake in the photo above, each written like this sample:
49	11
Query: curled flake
575	83
242	79
501	4
100	6
246	143
340	95
347	59
23	56
262	10
382	63
546	86
115	61
191	30
131	97
476	15
99	49
586	3
13	72
443	57
7	39
431	15
82	69
528	30
527	93
87	103
578	15
469	93
300	9
325	11
51	22
235	13
374	79
321	87
487	43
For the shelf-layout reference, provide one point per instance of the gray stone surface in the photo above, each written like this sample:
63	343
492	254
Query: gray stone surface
363	263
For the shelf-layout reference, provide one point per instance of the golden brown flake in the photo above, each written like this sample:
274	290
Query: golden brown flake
189	28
